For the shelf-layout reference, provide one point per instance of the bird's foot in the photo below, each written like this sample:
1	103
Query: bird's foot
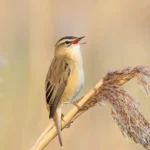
69	124
80	108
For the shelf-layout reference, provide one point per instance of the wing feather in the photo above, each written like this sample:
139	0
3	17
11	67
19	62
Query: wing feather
56	82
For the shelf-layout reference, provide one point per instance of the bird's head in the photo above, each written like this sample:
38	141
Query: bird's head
68	44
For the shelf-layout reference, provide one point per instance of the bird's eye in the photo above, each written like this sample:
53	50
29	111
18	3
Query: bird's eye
67	42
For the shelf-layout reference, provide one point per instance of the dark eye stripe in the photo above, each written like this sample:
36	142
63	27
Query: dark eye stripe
67	42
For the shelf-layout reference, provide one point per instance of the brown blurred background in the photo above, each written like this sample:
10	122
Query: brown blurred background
118	36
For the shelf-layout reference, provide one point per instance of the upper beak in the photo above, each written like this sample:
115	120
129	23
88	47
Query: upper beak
78	39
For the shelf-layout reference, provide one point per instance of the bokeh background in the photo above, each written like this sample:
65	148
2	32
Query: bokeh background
118	36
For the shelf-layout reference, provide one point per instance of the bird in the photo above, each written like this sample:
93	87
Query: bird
65	78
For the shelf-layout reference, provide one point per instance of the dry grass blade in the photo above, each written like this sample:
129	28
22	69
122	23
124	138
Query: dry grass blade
125	111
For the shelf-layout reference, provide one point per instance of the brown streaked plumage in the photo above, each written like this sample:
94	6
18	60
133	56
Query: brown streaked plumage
65	78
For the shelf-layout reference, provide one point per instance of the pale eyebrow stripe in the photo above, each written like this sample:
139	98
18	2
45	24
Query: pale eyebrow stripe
62	41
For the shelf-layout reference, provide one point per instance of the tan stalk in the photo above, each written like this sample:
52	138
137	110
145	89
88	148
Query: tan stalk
125	110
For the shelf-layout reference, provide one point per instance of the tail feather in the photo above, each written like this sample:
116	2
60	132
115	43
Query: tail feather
57	120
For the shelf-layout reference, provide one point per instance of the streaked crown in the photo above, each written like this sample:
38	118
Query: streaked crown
68	40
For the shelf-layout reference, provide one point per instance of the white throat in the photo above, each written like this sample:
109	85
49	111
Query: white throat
73	52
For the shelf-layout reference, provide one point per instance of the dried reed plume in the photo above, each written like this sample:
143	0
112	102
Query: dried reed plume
125	111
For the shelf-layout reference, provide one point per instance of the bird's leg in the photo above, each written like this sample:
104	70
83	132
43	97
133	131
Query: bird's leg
75	103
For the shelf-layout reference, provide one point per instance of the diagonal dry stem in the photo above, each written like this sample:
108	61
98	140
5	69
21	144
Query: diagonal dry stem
124	111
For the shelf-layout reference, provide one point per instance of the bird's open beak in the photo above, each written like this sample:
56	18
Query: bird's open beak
77	40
